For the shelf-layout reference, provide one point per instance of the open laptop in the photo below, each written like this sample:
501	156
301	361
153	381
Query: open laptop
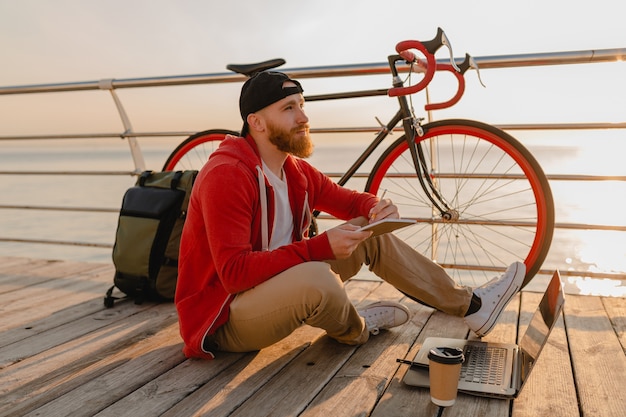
497	369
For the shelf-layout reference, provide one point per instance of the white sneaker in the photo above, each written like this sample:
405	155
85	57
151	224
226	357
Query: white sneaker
495	295
383	315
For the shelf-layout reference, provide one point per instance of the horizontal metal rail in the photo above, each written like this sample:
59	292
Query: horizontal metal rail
123	135
485	62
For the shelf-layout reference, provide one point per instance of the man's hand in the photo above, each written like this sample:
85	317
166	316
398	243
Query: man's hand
344	239
382	210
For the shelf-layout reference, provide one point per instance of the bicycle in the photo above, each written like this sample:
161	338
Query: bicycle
480	198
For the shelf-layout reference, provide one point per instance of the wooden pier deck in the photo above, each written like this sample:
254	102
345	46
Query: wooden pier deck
63	354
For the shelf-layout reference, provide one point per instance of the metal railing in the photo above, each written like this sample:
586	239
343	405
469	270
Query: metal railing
111	85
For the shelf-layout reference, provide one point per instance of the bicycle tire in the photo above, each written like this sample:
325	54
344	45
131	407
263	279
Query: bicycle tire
500	192
193	152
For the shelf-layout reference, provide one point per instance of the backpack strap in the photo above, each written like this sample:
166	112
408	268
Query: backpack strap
176	180
143	177
109	300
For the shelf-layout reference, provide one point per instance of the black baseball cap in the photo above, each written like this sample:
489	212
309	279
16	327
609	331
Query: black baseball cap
261	90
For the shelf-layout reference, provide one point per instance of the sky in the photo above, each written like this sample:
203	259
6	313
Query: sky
59	41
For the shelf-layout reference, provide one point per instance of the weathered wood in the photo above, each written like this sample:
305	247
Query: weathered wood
33	381
225	393
73	330
598	357
52	322
616	309
130	369
64	354
37	271
549	380
52	295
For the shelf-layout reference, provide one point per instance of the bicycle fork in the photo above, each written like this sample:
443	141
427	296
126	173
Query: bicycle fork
413	129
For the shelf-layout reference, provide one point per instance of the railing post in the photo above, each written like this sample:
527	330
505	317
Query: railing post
135	149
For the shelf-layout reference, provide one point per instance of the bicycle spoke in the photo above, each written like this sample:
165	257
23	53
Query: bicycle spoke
499	192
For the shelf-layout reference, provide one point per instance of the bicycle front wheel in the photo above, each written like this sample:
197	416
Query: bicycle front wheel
194	151
500	197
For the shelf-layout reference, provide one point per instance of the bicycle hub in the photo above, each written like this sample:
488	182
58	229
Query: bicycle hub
450	216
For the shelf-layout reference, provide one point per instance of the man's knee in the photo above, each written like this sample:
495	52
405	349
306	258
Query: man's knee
316	280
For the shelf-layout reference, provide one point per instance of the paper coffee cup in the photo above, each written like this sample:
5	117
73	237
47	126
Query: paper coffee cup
444	370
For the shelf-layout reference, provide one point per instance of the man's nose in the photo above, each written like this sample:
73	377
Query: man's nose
302	117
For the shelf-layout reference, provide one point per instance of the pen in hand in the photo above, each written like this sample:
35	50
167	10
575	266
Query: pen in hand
373	216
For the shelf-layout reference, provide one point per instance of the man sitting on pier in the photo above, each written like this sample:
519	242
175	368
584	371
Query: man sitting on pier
248	273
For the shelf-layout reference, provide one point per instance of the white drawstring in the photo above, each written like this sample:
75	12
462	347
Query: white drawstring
263	199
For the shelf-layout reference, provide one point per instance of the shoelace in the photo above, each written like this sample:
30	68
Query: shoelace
489	286
373	317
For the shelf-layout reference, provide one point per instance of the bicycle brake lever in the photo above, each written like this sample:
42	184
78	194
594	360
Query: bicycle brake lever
437	42
445	41
474	65
470	63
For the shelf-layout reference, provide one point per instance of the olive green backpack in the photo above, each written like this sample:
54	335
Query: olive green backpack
148	234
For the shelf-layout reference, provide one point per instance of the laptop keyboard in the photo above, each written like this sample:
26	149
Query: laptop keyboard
483	364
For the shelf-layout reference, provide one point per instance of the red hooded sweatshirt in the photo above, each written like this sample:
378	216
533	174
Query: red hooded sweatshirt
223	249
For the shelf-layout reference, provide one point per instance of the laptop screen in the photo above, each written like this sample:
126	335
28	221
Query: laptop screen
541	324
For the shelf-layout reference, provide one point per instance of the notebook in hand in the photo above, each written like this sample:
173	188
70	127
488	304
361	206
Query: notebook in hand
497	369
387	225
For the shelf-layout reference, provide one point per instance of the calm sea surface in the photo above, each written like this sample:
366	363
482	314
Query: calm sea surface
595	202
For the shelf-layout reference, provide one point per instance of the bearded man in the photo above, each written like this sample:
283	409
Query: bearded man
249	274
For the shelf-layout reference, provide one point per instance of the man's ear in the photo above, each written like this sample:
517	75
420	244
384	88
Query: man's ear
255	122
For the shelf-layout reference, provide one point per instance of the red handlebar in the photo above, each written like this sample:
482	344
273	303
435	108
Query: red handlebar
403	50
459	93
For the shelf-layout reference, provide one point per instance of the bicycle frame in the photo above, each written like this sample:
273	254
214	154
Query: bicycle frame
412	127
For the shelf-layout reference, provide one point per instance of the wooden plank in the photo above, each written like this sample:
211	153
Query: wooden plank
616	309
150	358
19	275
52	295
54	320
32	283
225	392
37	271
552	379
32	382
70	330
312	369
598	357
11	261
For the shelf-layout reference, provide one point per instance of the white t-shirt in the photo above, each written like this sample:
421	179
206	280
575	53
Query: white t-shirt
282	230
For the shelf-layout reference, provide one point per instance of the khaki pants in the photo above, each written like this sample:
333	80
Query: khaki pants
313	293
